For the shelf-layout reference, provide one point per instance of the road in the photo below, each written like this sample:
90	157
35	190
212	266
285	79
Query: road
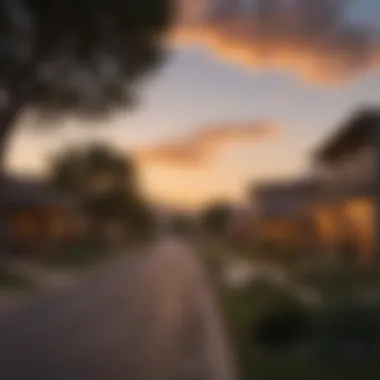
147	316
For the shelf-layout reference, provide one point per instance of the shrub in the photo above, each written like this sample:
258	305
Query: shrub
349	329
342	281
265	317
9	280
284	322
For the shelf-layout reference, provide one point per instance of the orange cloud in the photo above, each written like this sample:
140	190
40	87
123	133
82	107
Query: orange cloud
197	149
311	38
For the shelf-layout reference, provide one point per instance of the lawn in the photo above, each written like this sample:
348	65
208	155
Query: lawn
339	339
10	280
260	367
342	281
275	336
80	256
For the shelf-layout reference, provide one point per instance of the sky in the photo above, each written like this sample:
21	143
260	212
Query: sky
246	93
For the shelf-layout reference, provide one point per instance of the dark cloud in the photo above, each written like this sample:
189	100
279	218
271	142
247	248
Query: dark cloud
313	38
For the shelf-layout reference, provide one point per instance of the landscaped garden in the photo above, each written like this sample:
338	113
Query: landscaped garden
276	334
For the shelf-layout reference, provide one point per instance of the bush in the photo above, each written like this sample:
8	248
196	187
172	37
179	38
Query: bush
10	280
264	317
79	256
284	322
265	322
349	329
341	281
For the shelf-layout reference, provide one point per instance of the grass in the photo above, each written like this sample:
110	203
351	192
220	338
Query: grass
342	282
330	280
245	307
304	363
12	281
85	256
77	257
258	367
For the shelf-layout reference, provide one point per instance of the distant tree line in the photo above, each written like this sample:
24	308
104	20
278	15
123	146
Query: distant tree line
215	218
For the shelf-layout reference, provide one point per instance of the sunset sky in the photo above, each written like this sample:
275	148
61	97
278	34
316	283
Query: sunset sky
246	93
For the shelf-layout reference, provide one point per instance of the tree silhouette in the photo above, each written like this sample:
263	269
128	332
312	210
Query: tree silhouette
215	217
182	224
75	56
79	57
105	182
90	170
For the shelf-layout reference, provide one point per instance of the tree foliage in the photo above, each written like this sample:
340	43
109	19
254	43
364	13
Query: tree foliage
215	218
81	56
93	168
105	183
78	57
182	224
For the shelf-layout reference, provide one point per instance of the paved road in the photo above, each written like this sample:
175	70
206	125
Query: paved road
147	317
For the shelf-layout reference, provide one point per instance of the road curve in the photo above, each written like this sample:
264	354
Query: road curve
144	317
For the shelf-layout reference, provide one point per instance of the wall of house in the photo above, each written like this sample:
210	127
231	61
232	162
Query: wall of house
355	167
35	228
345	228
24	227
280	232
360	213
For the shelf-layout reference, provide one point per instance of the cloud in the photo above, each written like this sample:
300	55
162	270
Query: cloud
197	149
312	38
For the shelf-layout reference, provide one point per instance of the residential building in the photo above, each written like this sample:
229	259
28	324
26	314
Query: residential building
282	212
347	166
38	216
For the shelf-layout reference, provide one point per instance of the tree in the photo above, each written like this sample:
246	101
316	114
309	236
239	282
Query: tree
215	217
105	182
91	170
81	57
75	56
182	224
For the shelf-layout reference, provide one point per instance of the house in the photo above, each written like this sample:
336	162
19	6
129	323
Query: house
282	208
348	201
37	216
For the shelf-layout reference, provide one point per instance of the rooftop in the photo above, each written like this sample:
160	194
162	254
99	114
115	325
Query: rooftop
356	131
297	186
24	190
280	199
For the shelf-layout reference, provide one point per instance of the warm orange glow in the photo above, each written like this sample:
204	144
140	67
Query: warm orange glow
24	225
282	232
286	35
197	149
352	217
